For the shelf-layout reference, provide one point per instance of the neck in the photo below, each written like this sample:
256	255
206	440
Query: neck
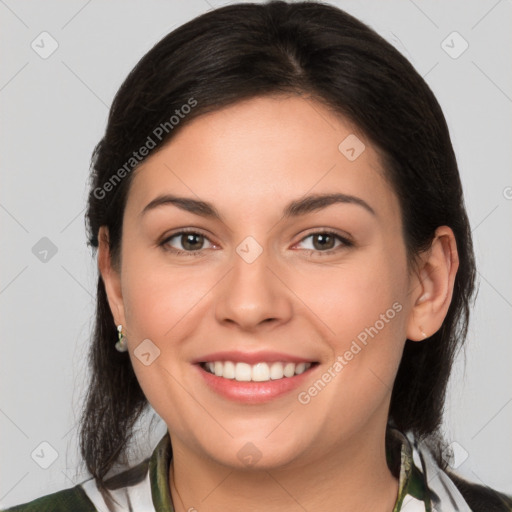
352	476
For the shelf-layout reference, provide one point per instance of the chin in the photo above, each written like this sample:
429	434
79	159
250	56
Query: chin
256	453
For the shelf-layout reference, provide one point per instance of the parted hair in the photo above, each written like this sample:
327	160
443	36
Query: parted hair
247	50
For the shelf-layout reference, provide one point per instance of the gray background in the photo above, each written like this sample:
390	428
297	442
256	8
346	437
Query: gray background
54	110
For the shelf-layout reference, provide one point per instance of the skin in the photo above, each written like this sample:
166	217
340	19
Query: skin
250	160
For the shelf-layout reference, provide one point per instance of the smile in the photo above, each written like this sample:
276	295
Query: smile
259	372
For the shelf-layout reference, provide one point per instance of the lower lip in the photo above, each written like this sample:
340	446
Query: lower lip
253	392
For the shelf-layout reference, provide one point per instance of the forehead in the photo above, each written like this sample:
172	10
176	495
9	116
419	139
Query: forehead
263	150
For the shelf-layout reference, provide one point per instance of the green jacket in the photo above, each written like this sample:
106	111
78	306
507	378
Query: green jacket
145	487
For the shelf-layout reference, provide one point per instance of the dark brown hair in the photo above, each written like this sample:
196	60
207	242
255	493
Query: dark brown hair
308	48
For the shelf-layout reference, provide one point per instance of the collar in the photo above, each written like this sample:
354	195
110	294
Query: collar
413	492
412	487
159	464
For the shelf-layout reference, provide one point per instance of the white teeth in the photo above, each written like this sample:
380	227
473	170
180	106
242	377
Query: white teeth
228	371
289	369
276	371
242	372
300	368
260	372
218	368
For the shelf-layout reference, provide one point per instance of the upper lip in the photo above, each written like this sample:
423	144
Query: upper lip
252	357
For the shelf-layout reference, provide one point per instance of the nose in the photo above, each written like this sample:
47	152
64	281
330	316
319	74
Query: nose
254	295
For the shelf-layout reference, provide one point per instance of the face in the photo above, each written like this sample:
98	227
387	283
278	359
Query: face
319	292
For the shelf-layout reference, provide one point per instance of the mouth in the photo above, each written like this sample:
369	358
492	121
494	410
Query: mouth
259	372
254	382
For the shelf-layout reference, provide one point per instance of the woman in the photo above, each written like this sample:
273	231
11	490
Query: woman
286	265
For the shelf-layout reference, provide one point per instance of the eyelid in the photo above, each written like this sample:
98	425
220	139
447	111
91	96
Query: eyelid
345	239
196	231
331	231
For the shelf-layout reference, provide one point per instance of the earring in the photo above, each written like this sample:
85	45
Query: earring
121	345
424	334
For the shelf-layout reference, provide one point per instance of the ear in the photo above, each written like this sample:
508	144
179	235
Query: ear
432	291
111	277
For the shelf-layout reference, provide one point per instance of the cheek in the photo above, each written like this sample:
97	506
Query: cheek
356	294
158	297
159	305
363	306
366	347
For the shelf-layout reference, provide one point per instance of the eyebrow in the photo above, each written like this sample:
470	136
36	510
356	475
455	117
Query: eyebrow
295	208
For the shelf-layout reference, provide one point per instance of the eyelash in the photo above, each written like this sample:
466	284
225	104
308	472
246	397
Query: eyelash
178	252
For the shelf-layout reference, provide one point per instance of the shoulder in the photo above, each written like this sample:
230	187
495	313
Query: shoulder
74	499
481	498
131	488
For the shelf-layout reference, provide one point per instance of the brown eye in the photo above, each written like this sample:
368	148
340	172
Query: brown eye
184	242
325	242
191	241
